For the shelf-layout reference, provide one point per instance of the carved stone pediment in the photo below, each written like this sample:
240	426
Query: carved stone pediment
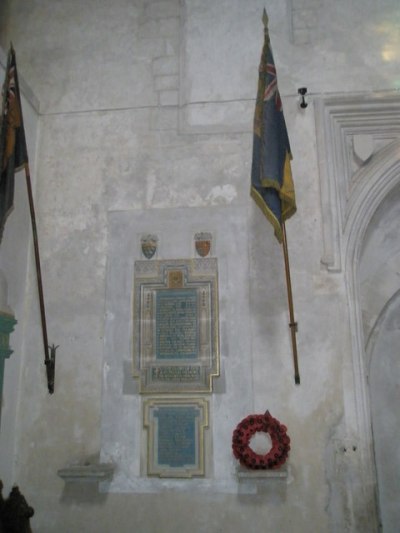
351	133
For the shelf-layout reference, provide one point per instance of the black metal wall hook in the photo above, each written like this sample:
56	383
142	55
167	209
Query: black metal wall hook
303	91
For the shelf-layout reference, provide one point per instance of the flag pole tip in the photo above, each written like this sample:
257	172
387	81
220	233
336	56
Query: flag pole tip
297	380
265	18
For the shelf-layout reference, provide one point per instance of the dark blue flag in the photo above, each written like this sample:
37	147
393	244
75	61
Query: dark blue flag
271	177
13	152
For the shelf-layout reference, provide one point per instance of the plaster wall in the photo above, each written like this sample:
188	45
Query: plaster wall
18	267
147	107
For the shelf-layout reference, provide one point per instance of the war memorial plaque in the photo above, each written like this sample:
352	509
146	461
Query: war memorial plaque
175	436
175	325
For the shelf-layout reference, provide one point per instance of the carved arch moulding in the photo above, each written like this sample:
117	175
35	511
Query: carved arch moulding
353	133
359	163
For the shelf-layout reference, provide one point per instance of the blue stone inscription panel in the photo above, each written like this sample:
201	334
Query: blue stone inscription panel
176	324
175	436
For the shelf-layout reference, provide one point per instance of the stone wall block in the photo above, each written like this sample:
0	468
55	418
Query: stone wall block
169	98
165	118
305	4
305	18
172	46
164	9
149	48
301	36
165	66
166	83
149	29
169	27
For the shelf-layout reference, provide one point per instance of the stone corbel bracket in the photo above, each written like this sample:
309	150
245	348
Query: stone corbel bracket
245	474
263	481
350	131
87	473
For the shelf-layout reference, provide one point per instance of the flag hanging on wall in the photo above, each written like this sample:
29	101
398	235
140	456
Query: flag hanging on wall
13	151
271	177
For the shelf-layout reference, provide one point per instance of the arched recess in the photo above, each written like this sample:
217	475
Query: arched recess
372	185
380	305
384	382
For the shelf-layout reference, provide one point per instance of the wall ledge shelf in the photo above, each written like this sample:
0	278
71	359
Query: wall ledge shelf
87	473
246	474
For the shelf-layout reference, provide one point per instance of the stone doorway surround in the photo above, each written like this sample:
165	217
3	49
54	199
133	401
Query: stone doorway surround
358	141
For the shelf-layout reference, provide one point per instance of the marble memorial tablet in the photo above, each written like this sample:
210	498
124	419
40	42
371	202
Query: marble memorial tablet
175	431
176	345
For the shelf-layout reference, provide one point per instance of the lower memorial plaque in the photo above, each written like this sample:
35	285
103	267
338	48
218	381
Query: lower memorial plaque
176	344
175	436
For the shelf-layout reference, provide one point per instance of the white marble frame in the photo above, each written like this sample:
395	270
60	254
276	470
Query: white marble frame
154	468
150	277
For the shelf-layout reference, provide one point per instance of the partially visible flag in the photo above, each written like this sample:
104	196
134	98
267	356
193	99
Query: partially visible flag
271	176
13	151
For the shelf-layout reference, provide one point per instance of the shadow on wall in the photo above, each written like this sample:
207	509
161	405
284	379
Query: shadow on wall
82	493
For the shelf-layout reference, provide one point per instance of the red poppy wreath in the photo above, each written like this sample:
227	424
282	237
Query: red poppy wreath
265	423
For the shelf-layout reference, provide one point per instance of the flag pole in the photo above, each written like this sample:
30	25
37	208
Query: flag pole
48	361
292	323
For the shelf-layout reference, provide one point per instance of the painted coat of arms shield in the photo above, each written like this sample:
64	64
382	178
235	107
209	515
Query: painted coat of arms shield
202	243
149	245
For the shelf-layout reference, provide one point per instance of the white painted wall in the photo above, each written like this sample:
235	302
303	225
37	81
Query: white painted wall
148	105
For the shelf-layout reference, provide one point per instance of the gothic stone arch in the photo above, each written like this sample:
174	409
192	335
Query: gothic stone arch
359	163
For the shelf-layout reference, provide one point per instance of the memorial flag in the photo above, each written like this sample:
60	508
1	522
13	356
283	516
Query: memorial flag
13	151
271	177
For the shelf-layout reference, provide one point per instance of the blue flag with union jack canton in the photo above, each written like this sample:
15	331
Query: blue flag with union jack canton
13	152
271	176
